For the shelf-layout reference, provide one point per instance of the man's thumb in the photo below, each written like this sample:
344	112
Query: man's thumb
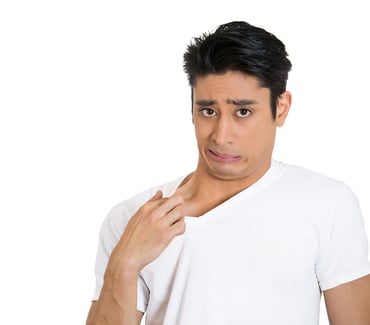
158	195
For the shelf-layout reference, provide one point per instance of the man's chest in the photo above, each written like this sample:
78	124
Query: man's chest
218	256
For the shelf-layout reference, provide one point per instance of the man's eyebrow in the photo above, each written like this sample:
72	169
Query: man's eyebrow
205	102
236	102
241	102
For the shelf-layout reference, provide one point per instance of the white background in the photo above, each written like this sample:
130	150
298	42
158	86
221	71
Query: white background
95	107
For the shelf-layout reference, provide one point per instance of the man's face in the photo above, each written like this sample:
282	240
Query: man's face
234	126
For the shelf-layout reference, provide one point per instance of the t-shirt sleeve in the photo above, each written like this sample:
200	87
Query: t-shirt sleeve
110	233
343	255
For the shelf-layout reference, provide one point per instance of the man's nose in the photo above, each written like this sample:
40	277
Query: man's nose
223	131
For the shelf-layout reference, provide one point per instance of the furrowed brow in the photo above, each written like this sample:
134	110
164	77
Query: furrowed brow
241	102
205	102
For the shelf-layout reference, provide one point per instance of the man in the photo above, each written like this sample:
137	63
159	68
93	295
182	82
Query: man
243	239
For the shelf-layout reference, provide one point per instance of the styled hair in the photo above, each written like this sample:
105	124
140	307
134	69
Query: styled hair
239	46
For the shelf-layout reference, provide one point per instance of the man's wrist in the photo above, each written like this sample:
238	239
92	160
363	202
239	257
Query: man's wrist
123	273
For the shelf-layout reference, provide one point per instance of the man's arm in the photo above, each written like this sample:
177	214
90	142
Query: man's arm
91	314
147	234
117	303
349	303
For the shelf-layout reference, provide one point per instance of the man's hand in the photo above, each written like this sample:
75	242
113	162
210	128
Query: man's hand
148	233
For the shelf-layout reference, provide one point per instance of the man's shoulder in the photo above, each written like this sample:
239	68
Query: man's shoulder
304	177
311	189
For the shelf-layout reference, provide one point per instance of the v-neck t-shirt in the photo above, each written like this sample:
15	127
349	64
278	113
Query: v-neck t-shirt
261	257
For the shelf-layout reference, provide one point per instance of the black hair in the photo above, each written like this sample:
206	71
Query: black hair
239	46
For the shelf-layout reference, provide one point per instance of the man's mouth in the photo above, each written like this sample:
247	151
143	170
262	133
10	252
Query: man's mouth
222	157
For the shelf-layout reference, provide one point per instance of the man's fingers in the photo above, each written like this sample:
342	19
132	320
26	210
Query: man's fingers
169	204
167	211
173	216
178	228
158	195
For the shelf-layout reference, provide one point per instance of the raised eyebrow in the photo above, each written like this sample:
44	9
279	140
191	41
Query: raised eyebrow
241	102
205	102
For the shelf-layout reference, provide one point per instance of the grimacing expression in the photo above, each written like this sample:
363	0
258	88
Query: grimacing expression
233	124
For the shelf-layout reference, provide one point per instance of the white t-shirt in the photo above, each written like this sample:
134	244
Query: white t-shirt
261	257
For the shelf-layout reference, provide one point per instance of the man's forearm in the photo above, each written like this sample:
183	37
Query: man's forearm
118	301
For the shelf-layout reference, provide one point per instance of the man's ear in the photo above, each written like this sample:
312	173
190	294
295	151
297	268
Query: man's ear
283	104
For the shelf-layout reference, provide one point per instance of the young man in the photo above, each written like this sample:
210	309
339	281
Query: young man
243	239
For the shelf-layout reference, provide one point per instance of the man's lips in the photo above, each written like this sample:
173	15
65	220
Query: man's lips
222	157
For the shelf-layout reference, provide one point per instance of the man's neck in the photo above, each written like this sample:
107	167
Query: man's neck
203	191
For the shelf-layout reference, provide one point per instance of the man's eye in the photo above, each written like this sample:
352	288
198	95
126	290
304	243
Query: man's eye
243	112
208	112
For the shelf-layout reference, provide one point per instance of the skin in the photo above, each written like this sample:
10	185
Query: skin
349	303
235	133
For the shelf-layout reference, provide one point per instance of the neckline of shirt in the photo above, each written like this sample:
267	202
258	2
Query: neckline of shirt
272	173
